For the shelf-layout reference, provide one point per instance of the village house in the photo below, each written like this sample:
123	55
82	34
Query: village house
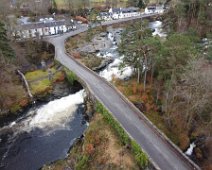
154	9
118	13
42	28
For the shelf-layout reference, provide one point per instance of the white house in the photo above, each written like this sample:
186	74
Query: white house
117	13
154	9
43	28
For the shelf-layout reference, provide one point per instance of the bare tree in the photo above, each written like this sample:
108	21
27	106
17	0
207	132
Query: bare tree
190	98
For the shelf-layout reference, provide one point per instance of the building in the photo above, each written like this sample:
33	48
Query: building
154	9
42	28
118	13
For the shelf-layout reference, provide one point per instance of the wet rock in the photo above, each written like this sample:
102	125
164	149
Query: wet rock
103	64
60	89
140	106
103	34
89	108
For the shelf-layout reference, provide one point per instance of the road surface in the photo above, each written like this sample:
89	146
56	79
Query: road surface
161	152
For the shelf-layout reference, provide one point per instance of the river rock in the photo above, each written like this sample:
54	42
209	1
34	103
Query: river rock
89	107
103	34
103	64
98	43
60	89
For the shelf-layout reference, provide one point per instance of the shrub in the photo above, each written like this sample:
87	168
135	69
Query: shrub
82	163
140	157
71	77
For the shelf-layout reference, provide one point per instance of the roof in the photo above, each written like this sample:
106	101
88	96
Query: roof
116	10
150	7
36	25
104	14
125	10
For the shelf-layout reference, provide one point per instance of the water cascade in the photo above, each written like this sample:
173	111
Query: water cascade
42	135
189	151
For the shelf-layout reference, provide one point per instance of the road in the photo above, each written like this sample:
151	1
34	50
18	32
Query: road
161	151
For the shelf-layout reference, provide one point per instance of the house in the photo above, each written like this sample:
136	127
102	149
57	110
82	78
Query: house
150	9
154	9
104	16
42	28
117	13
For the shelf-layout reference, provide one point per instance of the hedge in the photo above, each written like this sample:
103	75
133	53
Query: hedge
140	157
71	77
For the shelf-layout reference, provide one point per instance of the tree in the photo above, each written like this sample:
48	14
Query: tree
4	9
192	13
191	97
114	3
132	2
5	49
53	6
137	3
138	47
174	56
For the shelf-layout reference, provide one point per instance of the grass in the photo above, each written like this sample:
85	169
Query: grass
71	77
37	74
39	81
40	87
140	157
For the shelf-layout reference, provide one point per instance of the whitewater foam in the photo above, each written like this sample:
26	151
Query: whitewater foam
50	117
190	149
57	113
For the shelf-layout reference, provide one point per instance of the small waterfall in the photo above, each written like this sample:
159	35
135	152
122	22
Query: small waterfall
190	149
110	36
26	83
43	134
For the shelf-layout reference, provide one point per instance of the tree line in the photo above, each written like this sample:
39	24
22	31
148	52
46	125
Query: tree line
178	73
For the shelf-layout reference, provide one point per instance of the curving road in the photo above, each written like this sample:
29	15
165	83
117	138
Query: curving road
161	151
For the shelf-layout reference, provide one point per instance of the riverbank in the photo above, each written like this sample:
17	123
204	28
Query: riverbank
102	147
29	56
55	111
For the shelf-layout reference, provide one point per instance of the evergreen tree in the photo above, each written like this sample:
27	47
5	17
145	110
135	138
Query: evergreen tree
139	47
5	48
138	3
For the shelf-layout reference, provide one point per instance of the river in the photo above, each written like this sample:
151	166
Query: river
43	134
114	35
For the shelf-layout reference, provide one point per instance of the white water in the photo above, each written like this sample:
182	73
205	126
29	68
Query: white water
56	114
42	135
190	149
50	117
113	70
157	25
